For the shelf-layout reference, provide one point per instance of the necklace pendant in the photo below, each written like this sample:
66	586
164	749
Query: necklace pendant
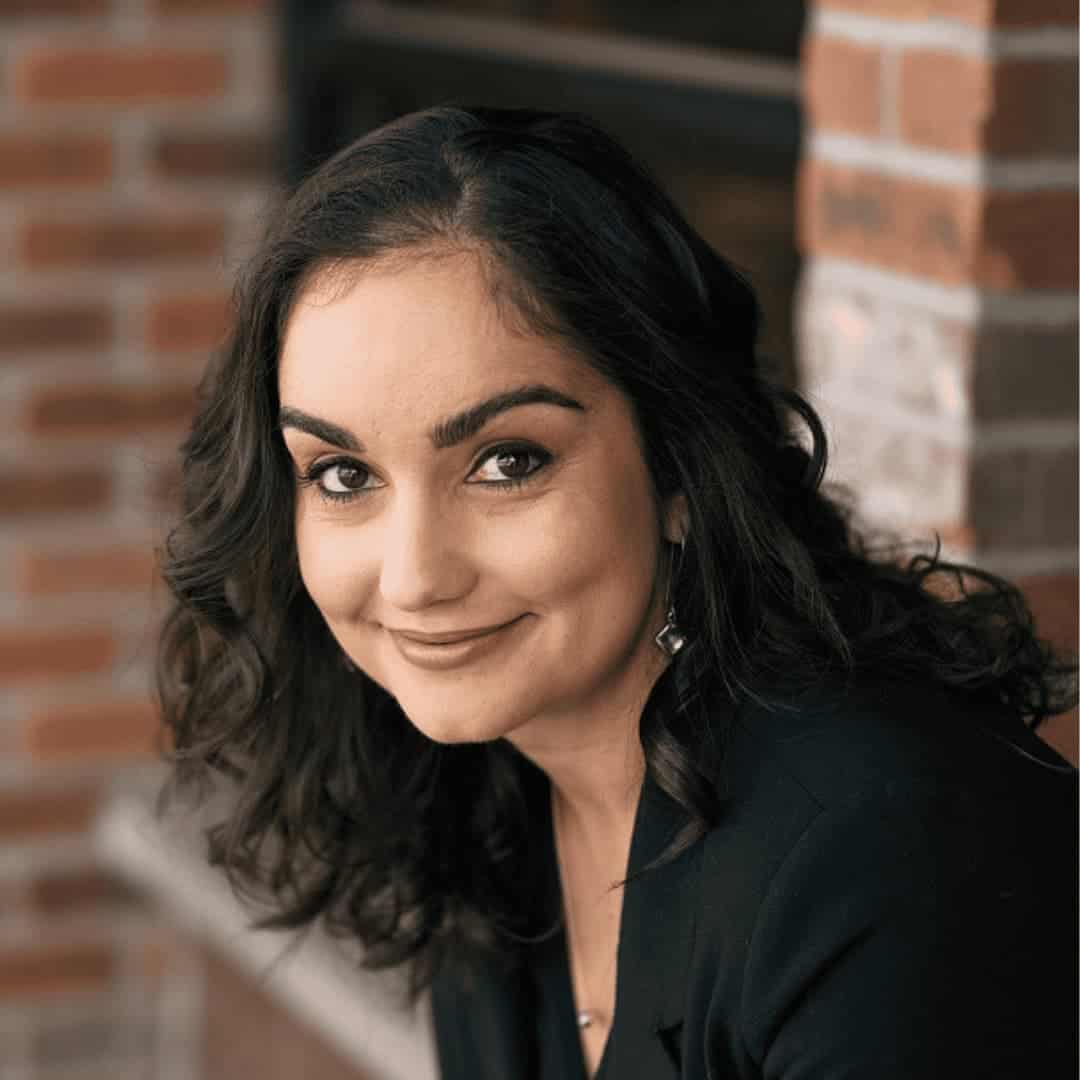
585	1019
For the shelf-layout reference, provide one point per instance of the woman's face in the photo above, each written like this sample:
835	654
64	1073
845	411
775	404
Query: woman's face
474	517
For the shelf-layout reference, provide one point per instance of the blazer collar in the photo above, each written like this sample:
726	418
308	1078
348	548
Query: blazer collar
656	933
659	921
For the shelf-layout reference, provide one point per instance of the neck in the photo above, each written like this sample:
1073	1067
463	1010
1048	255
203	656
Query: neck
595	762
592	753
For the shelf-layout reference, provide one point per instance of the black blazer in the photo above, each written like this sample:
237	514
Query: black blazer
891	893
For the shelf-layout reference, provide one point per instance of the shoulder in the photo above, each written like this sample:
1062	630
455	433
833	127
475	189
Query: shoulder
905	782
899	785
901	748
889	854
862	806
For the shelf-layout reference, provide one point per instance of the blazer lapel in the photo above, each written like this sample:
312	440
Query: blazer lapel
655	944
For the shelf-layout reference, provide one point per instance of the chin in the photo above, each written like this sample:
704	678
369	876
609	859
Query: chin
454	726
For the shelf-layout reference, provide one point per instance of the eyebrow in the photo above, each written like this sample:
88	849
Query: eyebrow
446	433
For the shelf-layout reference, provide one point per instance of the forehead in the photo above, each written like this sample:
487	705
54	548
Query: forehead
412	343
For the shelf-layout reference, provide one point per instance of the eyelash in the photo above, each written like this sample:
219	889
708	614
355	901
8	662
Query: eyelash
312	475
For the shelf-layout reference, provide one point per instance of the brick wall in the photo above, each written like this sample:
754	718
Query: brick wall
136	139
938	309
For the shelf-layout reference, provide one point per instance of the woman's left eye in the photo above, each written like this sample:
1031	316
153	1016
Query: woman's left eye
508	466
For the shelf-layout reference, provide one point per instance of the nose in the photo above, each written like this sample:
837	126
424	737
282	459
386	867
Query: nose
425	556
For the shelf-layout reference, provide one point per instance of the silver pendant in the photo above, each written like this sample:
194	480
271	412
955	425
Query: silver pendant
585	1019
671	638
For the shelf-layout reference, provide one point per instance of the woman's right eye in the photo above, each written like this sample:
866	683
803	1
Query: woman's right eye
339	481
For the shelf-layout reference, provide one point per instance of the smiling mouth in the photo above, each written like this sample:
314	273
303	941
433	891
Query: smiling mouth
451	650
450	637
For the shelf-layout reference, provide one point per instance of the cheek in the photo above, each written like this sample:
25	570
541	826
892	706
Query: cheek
597	541
329	567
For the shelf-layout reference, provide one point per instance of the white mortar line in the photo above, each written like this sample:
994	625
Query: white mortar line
1041	308
888	157
964	302
43	855
1016	564
1042	42
951	35
1031	175
1013	435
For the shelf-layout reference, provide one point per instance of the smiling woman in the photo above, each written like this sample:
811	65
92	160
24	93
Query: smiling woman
494	472
508	597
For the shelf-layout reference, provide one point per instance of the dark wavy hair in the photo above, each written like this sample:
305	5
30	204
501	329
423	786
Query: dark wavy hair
341	808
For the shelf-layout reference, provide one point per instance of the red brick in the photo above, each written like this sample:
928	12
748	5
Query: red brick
54	162
966	104
34	327
13	899
29	490
132	75
29	655
945	99
1054	601
1035	12
53	572
47	244
1035	108
1061	732
907	225
23	8
843	85
67	893
113	729
55	969
956	235
1025	499
167	950
74	411
1023	372
1029	240
189	322
976	12
42	812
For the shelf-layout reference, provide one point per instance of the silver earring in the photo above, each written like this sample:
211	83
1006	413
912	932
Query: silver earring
671	638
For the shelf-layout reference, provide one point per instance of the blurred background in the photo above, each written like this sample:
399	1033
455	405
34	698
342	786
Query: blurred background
897	177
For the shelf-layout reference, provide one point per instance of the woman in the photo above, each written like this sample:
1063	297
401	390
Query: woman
508	597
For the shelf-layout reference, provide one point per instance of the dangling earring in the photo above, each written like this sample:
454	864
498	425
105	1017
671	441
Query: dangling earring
671	637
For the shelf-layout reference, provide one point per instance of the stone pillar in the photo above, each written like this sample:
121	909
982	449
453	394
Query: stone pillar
937	317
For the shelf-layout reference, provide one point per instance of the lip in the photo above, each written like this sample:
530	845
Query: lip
449	637
440	652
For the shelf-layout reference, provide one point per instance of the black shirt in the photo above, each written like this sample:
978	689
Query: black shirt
891	892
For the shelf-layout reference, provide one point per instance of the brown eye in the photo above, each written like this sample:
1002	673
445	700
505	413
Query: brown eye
513	463
344	478
340	479
510	464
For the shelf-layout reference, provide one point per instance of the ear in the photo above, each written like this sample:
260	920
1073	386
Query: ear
676	518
